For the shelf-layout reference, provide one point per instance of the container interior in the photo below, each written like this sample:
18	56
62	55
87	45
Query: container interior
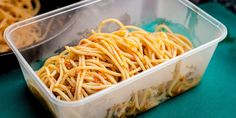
67	27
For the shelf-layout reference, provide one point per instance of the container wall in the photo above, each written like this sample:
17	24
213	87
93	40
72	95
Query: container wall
37	90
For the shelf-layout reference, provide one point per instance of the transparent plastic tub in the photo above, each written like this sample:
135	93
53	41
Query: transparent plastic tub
66	26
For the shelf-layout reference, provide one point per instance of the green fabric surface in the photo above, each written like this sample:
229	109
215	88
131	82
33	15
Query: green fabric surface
215	97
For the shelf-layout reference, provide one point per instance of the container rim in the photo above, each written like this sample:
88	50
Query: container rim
104	92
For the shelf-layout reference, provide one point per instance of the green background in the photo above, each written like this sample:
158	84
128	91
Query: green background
215	97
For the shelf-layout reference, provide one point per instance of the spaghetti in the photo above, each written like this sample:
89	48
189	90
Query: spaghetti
12	11
104	59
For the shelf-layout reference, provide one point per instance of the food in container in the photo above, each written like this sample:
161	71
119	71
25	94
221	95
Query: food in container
105	59
126	98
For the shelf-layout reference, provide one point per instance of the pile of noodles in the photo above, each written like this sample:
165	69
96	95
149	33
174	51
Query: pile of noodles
104	59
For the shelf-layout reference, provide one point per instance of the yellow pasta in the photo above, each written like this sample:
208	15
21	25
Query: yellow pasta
104	59
12	11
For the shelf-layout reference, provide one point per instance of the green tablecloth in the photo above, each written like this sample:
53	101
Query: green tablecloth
215	97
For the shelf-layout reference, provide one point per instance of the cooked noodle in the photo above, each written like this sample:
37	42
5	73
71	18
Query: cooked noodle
104	59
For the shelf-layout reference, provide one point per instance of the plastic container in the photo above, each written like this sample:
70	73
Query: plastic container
73	22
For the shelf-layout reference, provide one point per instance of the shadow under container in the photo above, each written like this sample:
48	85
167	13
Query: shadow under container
66	26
